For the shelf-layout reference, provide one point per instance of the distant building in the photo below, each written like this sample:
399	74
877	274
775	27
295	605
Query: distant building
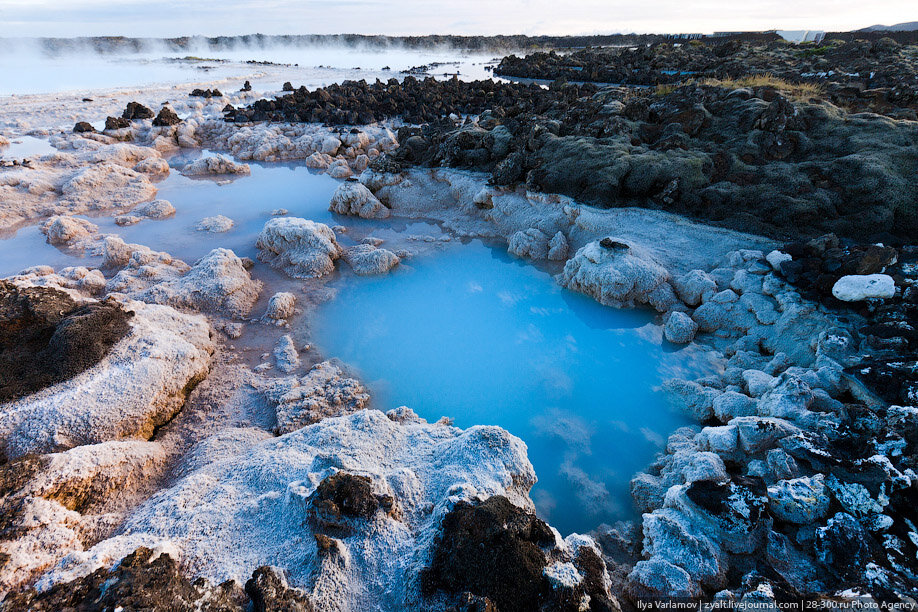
802	36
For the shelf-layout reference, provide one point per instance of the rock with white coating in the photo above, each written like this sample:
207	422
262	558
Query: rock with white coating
62	230
679	328
857	287
558	248
105	185
618	275
48	502
424	469
776	258
215	164
157	209
286	356
800	501
694	287
324	392
281	306
366	259
216	225
531	243
139	385
353	198
299	247
218	283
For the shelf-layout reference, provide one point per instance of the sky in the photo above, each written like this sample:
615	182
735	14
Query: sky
163	18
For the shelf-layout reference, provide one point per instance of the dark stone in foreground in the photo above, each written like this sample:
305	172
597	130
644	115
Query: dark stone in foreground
494	550
136	110
117	123
46	338
166	117
140	582
83	127
491	555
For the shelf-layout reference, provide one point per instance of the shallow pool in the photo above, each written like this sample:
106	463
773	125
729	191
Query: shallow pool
475	335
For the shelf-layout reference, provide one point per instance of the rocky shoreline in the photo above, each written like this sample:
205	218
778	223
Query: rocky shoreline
798	480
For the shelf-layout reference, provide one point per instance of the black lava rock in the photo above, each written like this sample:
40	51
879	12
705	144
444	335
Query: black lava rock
46	338
83	127
136	110
166	117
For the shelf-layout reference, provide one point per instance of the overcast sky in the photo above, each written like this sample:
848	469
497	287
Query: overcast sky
209	17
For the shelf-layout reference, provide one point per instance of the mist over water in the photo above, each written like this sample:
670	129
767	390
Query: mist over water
34	66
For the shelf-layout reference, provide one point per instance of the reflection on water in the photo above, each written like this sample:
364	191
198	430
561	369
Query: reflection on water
26	146
477	336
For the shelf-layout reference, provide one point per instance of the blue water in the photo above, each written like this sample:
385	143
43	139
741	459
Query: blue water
482	338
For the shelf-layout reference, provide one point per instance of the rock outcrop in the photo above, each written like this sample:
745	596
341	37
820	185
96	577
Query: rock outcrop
299	247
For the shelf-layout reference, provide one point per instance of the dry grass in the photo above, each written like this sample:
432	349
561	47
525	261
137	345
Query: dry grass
664	90
795	91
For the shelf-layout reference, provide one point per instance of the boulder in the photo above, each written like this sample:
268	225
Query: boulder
215	225
800	501
324	392
694	287
353	198
65	230
137	386
366	259
618	275
299	247
214	165
531	243
218	283
558	248
285	355
679	328
857	288
281	306
156	209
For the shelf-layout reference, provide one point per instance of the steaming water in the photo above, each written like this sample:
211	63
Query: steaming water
24	70
482	338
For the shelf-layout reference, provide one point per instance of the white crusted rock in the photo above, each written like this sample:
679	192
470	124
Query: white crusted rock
679	328
424	468
137	387
367	259
65	230
616	274
157	209
300	247
353	198
531	243
215	225
324	392
859	287
218	283
281	306
214	164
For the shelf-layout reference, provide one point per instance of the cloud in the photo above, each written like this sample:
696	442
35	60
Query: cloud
208	17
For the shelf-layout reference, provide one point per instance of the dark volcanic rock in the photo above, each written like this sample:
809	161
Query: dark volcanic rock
166	117
83	127
116	123
343	498
492	554
492	549
141	582
269	592
45	338
206	93
136	110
